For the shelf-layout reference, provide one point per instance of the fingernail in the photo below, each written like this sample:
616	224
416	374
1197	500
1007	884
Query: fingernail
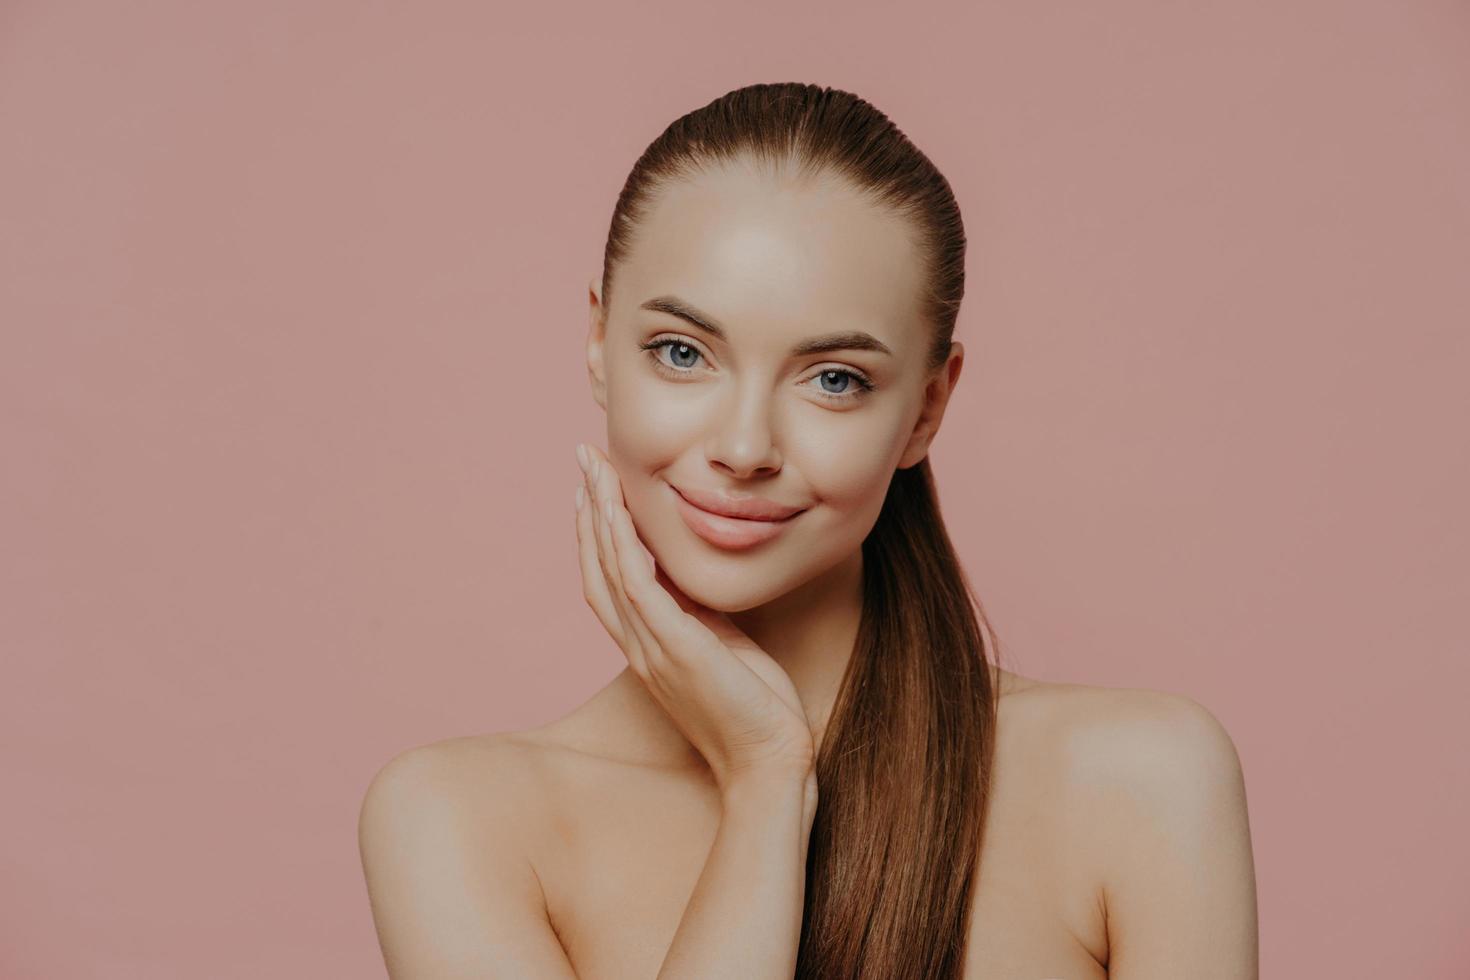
582	456
581	496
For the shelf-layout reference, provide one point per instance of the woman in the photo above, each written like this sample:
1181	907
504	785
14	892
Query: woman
809	766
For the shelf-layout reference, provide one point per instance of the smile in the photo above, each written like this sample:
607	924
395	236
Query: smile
729	533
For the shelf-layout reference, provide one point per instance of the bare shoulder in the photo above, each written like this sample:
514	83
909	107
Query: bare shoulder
1131	747
490	770
1133	732
1157	791
474	792
446	861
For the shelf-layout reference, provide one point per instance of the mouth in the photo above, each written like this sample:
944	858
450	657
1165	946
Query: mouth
729	533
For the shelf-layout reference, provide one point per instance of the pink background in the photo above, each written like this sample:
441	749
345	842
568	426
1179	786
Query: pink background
294	301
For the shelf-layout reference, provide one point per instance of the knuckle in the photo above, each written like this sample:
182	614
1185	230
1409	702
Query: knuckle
661	658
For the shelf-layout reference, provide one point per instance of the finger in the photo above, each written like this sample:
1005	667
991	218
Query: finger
657	610
613	504
676	627
594	583
605	485
600	467
661	576
625	547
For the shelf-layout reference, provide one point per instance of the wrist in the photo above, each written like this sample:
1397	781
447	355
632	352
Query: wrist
781	781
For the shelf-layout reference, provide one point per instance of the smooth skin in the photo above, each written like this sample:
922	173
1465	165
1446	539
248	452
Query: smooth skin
742	713
1119	844
736	706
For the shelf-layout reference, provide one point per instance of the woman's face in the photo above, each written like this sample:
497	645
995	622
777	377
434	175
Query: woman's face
741	411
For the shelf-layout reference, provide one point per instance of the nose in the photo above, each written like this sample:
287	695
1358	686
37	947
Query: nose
744	442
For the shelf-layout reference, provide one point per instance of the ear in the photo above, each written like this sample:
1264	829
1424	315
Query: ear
936	397
596	334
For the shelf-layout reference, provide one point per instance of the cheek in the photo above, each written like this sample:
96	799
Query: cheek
646	418
849	464
844	460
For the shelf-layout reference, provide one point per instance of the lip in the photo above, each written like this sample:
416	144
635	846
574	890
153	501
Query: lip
723	530
745	508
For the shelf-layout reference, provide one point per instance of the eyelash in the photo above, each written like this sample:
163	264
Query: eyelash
864	383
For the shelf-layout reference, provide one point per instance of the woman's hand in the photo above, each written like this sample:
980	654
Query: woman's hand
735	704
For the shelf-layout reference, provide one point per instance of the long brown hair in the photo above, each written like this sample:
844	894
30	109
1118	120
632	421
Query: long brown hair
903	771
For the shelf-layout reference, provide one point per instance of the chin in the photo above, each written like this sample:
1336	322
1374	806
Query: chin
725	588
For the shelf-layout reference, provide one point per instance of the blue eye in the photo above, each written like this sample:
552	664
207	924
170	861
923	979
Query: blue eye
683	356
677	349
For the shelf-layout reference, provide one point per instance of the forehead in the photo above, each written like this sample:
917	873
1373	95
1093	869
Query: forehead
769	254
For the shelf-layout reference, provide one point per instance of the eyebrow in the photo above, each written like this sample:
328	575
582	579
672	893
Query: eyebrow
841	340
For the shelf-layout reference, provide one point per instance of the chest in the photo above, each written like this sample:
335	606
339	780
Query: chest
619	872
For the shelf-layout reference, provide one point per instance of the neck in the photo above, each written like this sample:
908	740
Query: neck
810	632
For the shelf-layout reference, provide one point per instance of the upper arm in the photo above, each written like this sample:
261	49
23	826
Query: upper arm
1178	877
453	895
